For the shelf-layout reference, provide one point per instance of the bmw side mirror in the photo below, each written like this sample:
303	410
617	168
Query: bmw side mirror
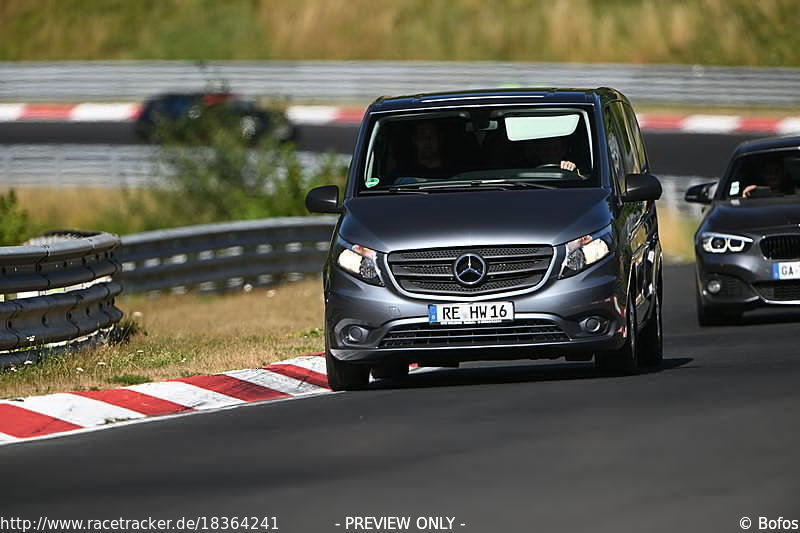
641	187
323	199
699	194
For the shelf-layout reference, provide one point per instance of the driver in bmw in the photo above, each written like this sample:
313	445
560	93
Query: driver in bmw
548	151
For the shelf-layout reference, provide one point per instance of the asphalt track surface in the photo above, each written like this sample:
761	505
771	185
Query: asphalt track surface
674	153
710	437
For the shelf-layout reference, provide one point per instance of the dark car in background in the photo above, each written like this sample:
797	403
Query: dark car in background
193	116
500	224
748	243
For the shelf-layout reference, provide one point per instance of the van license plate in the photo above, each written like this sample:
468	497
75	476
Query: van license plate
471	313
786	270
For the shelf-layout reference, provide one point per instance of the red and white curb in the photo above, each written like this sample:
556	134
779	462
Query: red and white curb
317	115
38	417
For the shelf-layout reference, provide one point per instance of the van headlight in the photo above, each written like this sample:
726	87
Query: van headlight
586	251
360	261
720	243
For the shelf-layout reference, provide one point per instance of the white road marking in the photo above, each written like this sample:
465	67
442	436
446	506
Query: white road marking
4	437
275	381
75	409
314	363
10	112
185	394
95	112
789	126
299	114
710	124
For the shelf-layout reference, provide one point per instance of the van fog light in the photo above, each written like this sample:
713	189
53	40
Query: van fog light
594	325
714	286
355	334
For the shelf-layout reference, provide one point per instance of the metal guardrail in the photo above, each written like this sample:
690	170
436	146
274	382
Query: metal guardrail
226	256
98	165
56	293
361	81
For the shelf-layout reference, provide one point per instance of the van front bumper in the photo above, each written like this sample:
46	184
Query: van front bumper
547	323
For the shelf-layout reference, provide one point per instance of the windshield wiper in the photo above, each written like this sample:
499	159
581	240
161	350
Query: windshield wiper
487	184
398	189
461	185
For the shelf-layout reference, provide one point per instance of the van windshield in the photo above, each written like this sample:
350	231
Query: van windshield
548	148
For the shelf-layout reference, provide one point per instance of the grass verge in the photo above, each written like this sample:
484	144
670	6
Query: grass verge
676	231
182	336
729	32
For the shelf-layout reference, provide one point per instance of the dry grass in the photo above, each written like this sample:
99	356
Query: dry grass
52	208
677	235
637	31
116	210
184	336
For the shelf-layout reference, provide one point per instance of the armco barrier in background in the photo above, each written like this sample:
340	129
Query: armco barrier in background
225	256
54	293
99	165
362	81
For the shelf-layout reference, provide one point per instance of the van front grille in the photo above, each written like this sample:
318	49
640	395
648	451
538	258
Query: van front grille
508	268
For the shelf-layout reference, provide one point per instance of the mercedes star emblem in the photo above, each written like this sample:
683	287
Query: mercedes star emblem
469	269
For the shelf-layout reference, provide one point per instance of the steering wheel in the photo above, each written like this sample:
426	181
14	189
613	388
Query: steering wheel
551	165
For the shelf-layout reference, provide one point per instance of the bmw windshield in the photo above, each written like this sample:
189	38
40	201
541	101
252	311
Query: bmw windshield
774	174
480	148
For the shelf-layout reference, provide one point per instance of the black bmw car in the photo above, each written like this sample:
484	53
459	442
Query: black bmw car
748	244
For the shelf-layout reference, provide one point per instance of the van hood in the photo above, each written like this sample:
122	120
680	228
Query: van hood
474	218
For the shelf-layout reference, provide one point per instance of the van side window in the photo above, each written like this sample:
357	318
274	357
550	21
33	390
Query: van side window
614	150
630	159
636	136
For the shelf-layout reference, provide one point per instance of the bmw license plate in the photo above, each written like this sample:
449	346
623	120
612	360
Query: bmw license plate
786	270
471	313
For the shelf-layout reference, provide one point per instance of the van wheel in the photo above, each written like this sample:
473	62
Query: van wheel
651	340
624	361
343	375
390	371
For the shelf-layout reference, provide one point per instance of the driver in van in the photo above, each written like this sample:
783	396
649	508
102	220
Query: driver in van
549	151
428	141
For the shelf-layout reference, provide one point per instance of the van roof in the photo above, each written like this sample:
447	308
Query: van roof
497	96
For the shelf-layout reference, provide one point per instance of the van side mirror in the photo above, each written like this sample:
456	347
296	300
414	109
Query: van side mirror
641	187
323	199
700	194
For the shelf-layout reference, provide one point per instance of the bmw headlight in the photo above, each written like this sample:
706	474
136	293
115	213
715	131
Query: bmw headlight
360	261
586	251
721	243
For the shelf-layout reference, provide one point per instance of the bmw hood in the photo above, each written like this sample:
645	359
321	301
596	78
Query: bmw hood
474	218
754	214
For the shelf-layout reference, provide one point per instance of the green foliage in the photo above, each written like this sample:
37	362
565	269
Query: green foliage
728	32
213	174
13	220
129	379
